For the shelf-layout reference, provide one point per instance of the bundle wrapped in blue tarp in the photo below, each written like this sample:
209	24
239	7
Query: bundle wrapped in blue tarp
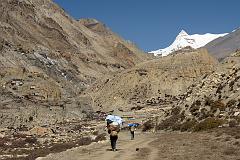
133	124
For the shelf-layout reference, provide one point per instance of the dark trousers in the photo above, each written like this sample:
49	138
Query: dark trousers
132	135
113	141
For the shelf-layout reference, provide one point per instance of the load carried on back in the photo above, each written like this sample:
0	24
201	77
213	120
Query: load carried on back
133	124
132	128
114	123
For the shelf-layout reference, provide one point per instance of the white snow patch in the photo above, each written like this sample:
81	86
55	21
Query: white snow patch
183	40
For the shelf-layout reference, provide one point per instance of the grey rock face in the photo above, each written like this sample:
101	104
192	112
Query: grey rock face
224	46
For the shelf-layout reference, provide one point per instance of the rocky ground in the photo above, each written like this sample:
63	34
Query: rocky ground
40	141
213	145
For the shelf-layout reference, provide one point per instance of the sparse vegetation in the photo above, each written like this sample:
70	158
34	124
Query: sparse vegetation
148	126
194	109
31	140
231	103
217	105
169	122
233	123
176	111
188	125
142	72
230	151
101	137
208	123
203	114
219	89
137	108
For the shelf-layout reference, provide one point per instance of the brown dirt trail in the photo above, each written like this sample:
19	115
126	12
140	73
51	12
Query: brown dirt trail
159	146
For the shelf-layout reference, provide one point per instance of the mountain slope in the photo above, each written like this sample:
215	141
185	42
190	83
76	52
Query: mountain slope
224	46
169	75
47	59
184	40
210	102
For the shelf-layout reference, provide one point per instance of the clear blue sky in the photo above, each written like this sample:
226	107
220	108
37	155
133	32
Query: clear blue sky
154	24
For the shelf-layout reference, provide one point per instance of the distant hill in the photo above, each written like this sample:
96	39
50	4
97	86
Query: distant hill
224	46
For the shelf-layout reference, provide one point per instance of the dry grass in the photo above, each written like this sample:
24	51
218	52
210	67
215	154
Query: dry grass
230	151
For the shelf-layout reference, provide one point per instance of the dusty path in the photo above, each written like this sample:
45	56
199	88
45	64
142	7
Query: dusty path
165	146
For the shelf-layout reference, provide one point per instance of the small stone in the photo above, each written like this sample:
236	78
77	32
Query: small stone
2	135
236	114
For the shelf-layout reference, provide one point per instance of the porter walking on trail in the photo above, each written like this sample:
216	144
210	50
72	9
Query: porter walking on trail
132	128
113	126
113	139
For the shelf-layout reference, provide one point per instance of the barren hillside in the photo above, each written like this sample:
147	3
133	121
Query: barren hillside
211	102
170	75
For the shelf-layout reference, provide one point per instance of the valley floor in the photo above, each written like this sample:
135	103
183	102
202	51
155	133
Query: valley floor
159	146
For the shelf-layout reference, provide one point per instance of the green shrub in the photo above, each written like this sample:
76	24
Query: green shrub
198	102
182	115
238	105
208	102
176	127
204	114
233	123
84	141
217	105
231	103
100	137
31	140
188	125
219	89
237	119
230	151
148	126
208	123
169	122
194	109
176	110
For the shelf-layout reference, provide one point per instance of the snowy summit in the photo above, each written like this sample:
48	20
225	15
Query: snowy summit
183	40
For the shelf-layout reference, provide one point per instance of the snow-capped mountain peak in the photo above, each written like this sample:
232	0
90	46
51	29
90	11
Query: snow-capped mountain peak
182	33
184	39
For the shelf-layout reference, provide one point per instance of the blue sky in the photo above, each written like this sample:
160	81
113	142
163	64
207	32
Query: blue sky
154	24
